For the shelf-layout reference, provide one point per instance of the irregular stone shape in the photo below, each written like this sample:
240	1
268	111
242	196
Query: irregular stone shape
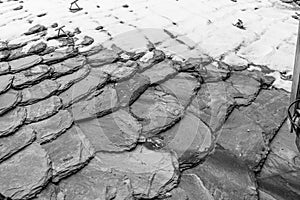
68	80
138	174
128	91
87	41
102	57
191	188
4	68
280	173
115	132
5	82
244	88
98	104
226	177
51	192
213	104
192	64
39	91
68	66
17	53
184	86
12	120
43	109
213	72
177	194
68	153
26	173
243	137
31	76
160	72
3	45
24	63
119	71
150	59
190	138
157	111
269	110
4	55
83	88
14	143
35	29
9	100
50	128
59	55
37	48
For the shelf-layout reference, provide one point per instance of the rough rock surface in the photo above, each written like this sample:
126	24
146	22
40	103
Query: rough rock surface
24	63
26	173
102	57
9	100
5	82
35	29
4	68
12	120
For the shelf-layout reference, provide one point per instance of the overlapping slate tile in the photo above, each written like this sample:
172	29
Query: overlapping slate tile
213	104
14	143
9	100
196	64
184	86
52	127
4	54
68	66
31	76
213	72
150	59
68	80
26	173
102	57
161	72
51	192
5	82
97	104
115	132
157	110
128	91
4	68
24	63
68	153
190	138
12	120
140	173
42	109
83	88
37	48
226	177
35	29
39	91
59	55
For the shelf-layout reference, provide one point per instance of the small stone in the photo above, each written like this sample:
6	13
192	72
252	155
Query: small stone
157	111
18	8
74	152
68	66
213	72
14	143
54	25
4	54
3	45
99	27
26	173
37	48
4	68
87	41
9	100
35	29
103	57
196	63
24	63
42	109
128	91
150	59
41	15
39	91
59	55
77	31
160	72
12	120
5	82
31	76
115	132
52	127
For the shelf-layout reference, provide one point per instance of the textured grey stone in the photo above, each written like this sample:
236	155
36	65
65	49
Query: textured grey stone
59	55
9	100
5	82
4	55
213	72
146	63
39	91
87	41
157	111
37	48
14	143
12	120
4	68
35	29
26	173
52	127
68	153
102	57
115	132
24	63
43	109
68	66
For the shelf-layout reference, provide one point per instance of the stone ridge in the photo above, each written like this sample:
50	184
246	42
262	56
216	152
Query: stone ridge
110	124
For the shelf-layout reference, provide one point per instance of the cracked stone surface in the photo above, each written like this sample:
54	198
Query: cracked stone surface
89	122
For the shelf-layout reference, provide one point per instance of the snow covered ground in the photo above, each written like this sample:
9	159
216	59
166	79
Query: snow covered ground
184	27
